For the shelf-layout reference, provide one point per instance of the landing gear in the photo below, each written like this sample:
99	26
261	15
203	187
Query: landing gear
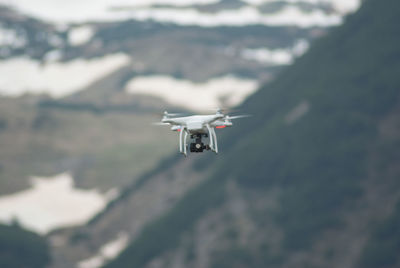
198	146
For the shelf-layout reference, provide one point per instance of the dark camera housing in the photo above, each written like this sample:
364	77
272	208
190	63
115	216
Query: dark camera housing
197	147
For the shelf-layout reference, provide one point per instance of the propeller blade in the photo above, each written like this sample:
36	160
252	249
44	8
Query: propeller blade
237	116
160	124
224	110
167	114
175	114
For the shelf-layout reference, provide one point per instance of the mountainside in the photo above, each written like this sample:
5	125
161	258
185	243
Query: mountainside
192	42
77	95
81	82
311	180
20	248
308	181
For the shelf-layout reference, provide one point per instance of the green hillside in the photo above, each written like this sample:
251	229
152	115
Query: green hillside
20	248
325	134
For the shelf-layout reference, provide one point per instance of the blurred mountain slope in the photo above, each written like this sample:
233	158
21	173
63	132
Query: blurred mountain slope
102	150
153	47
20	248
304	182
43	132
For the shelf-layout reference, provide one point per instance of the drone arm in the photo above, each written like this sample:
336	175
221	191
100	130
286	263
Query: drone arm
215	118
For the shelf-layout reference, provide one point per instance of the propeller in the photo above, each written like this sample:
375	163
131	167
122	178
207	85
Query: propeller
160	124
166	114
222	110
237	116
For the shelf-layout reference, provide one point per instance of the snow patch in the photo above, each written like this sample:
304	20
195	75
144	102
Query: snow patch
180	3
342	6
300	47
107	252
58	79
297	112
289	16
80	35
112	194
267	56
346	6
61	11
276	56
216	92
107	10
51	203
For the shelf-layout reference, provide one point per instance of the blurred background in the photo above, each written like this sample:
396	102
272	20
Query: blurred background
312	179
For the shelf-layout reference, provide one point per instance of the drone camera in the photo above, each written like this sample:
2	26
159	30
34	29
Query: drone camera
197	147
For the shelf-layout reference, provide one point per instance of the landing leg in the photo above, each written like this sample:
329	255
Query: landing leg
211	137
215	141
180	140
185	144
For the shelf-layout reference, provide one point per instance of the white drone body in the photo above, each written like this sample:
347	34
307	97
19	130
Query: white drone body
198	126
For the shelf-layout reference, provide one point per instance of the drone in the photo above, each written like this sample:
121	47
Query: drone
198	126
